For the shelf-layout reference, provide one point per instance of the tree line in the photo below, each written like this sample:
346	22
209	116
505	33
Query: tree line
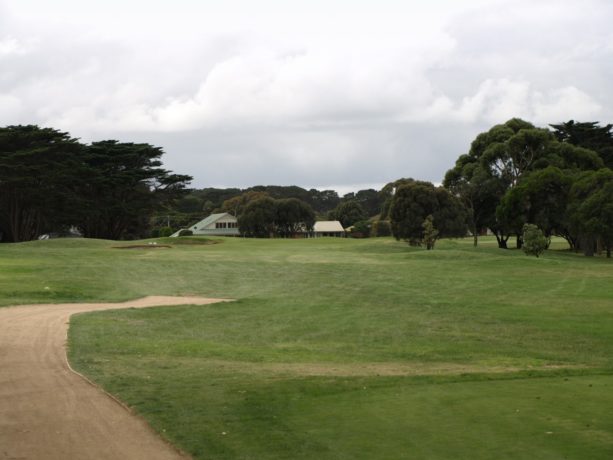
516	179
558	179
324	203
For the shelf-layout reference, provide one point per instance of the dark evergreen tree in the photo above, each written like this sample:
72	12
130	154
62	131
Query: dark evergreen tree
123	187
40	174
588	135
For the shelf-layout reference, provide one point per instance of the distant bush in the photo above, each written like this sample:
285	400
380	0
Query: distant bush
165	231
534	240
155	233
186	232
381	228
430	233
360	229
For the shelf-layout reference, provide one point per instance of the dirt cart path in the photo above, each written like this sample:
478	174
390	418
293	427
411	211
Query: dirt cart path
49	412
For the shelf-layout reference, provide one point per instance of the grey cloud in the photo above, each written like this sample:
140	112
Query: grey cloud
266	100
312	157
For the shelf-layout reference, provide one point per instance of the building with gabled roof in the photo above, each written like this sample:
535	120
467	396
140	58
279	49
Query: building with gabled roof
222	224
328	228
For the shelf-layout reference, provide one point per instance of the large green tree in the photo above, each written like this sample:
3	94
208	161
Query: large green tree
541	198
589	209
40	173
370	200
348	213
124	185
415	201
258	218
596	214
237	204
496	163
480	193
292	217
386	195
588	135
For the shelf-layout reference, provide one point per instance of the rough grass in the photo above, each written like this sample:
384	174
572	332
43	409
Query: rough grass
343	348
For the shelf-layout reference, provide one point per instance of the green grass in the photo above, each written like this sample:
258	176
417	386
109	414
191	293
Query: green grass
343	349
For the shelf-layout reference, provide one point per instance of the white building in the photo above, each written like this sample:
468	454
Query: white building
223	224
328	228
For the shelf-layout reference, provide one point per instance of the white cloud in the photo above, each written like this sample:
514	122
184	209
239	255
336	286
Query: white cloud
11	110
563	104
499	100
322	92
11	46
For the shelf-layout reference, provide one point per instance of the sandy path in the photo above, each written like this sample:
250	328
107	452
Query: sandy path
49	412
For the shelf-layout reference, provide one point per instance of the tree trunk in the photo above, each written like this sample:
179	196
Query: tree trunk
599	246
571	242
578	244
588	246
502	241
475	235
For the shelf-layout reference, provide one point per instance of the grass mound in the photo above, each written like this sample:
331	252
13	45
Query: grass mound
194	240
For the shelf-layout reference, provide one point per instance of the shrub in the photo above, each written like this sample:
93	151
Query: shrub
186	232
166	231
361	229
534	240
430	233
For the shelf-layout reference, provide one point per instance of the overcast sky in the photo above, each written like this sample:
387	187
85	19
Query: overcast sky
346	94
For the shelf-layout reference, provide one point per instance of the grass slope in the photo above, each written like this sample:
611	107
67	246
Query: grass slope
343	348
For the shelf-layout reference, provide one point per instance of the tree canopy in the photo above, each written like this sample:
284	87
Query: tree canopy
293	216
258	218
40	170
264	217
125	185
49	182
237	204
589	209
415	201
589	135
348	213
499	161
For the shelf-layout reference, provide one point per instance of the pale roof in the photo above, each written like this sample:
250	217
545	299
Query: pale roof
204	222
209	220
328	226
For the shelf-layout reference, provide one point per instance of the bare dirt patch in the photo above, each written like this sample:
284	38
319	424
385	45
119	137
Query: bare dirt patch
383	369
48	411
143	246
